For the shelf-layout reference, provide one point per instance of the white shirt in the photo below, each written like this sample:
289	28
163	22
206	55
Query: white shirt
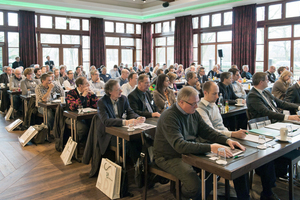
126	89
211	115
96	86
67	84
239	90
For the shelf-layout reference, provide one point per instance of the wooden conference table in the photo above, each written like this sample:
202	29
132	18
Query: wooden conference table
74	117
242	165
121	132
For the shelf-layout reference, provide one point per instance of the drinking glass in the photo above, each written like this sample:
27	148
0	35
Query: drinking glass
289	128
221	156
80	109
262	142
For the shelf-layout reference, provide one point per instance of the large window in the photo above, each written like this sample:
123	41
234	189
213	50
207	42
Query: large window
163	42
65	39
278	36
9	38
123	43
212	32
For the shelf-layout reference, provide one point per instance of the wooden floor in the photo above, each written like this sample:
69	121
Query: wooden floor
36	172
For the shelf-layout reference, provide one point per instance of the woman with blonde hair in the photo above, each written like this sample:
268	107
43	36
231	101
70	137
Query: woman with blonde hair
172	77
282	84
180	71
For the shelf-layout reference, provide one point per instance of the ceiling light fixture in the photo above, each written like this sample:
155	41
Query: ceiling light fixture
144	1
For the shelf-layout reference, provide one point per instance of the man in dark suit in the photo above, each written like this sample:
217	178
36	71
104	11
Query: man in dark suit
226	89
271	75
49	62
293	94
141	100
4	78
17	63
201	75
261	102
114	110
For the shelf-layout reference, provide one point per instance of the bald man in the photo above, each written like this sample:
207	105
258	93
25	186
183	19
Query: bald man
271	75
124	77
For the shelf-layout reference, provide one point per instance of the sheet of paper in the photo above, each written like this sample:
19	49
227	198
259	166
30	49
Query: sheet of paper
85	110
143	126
279	125
254	138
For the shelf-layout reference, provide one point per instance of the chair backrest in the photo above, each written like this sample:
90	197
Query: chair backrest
259	122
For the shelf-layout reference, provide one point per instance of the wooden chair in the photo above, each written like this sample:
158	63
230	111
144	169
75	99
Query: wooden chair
154	169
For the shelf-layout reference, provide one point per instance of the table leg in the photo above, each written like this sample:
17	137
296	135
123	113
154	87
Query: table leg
25	108
118	150
215	190
75	138
12	105
203	183
227	189
124	154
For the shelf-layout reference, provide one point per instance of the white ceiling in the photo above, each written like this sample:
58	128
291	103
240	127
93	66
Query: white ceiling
137	9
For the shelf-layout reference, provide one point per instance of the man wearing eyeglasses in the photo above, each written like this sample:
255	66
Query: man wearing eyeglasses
15	85
176	132
84	96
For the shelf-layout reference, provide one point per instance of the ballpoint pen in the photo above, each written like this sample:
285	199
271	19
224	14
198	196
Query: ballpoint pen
235	157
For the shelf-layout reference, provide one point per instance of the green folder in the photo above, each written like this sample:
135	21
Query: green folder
265	131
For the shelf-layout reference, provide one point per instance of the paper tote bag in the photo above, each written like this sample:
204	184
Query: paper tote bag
109	179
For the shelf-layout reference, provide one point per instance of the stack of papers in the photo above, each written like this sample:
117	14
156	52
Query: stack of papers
86	110
279	125
143	126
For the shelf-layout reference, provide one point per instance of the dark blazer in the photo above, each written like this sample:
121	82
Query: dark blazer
248	75
108	118
228	93
4	78
271	77
293	95
105	77
203	79
17	64
137	103
259	107
50	63
211	73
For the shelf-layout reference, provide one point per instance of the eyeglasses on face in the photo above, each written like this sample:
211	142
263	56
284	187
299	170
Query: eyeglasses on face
192	104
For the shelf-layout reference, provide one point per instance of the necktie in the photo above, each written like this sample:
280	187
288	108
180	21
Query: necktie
148	105
269	102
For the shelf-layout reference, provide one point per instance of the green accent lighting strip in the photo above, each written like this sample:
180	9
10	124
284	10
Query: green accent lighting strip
111	14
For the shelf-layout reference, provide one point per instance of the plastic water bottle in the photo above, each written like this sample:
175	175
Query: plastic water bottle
28	93
220	103
166	105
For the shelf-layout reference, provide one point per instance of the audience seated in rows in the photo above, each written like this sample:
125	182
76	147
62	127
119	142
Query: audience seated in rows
69	84
29	84
114	110
271	74
282	84
114	72
201	75
141	100
261	102
130	85
237	86
180	71
47	91
172	78
246	74
83	96
95	83
124	77
176	133
104	75
225	87
192	80
162	94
